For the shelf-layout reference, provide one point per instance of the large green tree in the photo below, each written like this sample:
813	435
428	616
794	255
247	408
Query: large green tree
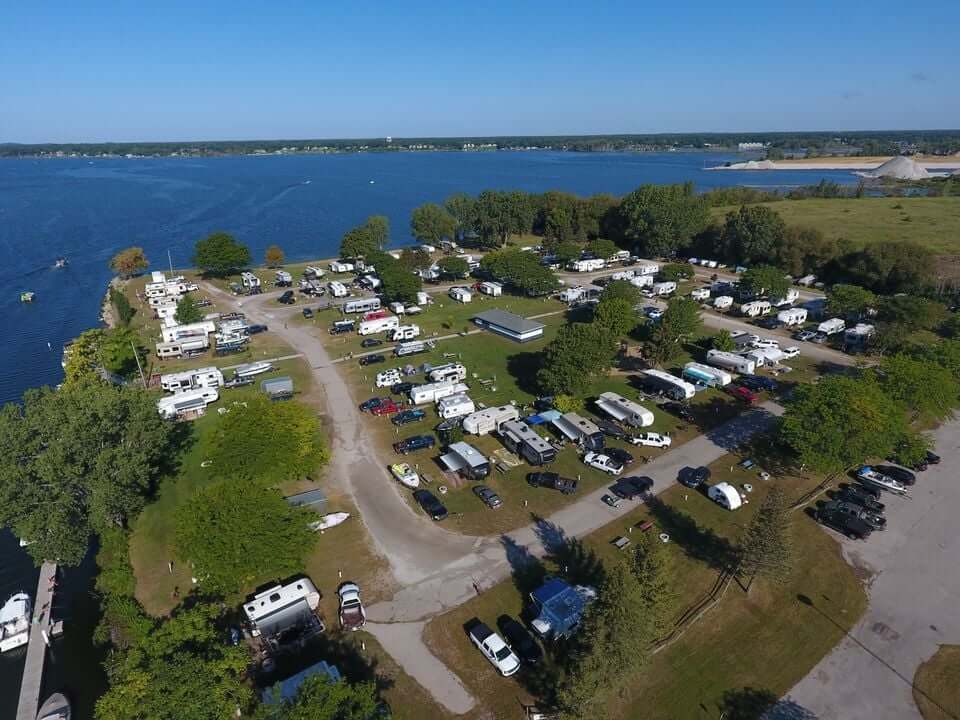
379	228
601	248
235	533
521	270
764	281
129	262
623	290
321	699
188	311
915	313
220	254
76	461
891	266
652	568
662	219
463	209
753	234
268	442
849	301
412	259
578	354
765	549
567	251
358	242
454	267
678	324
398	283
616	315
928	390
431	223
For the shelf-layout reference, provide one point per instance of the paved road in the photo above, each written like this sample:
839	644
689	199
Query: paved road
914	602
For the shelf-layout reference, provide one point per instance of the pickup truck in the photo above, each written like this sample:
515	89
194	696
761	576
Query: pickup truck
552	480
352	615
494	649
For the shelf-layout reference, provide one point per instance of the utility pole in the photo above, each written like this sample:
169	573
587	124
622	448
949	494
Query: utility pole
136	356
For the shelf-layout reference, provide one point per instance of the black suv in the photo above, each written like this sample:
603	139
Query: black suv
417	442
621	456
854	494
876	521
693	477
431	504
372	359
401	388
631	488
370	342
853	527
552	480
288	298
611	430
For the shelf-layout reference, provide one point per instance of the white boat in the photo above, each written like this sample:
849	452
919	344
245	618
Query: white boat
328	521
254	368
55	707
15	622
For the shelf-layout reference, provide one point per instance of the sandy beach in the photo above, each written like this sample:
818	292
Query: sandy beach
840	163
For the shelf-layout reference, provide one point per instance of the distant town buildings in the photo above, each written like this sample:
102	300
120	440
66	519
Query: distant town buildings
748	146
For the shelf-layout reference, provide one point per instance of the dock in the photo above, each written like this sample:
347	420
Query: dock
41	631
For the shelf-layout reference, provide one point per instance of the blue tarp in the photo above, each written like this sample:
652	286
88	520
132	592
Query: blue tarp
541	418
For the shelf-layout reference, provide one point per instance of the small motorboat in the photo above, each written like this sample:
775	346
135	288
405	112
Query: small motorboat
328	521
254	368
15	622
27	296
61	262
55	707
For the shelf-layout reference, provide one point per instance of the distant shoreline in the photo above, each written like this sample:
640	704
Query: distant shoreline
840	163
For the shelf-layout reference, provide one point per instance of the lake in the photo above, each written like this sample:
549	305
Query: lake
86	210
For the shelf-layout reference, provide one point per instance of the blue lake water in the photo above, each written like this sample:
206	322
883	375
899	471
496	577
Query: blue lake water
86	210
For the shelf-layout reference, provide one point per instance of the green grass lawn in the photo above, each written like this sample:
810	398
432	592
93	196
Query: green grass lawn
766	639
931	222
935	687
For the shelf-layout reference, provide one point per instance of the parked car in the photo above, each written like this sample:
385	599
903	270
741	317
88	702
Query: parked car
651	439
863	490
408	416
287	298
256	329
431	504
680	410
853	527
553	481
370	342
387	407
873	478
618	455
488	496
804	335
520	641
401	388
742	393
633	487
898	473
611	429
494	648
819	338
757	383
653	312
307	313
416	442
875	520
369	405
694	477
602	462
790	352
933	458
352	614
372	359
856	494
611	500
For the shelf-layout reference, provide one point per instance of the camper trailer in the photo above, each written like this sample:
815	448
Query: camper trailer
793	316
337	289
455	406
832	326
249	280
341	267
180	348
492	289
646	268
723	302
661	289
623	410
312	272
488	420
283	609
188	403
423	299
378	325
178	332
520	439
580	430
664	383
705	375
207	377
571	294
411	348
467	460
641	281
281	278
591	265
460	294
405	332
755	308
725	495
731	361
765	356
450	371
362	306
700	294
856	338
789	299
431	392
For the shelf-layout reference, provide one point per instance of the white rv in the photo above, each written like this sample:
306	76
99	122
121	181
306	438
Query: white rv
450	371
579	430
249	280
669	385
178	332
341	267
337	289
591	265
793	316
281	606
731	361
705	375
725	495
571	294
460	294
755	308
488	420
724	302
281	278
206	377
378	325
660	289
455	406
832	326
406	332
431	392
492	289
622	275
806	280
312	271
362	306
184	403
178	348
423	298
647	268
700	294
641	281
789	299
626	411
765	356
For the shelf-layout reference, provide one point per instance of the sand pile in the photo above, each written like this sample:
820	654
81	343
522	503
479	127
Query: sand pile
754	165
899	168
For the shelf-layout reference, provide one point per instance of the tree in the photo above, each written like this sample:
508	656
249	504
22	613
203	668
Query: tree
268	442
661	219
764	281
521	270
119	350
187	310
622	289
454	267
319	698
890	267
840	421
495	217
888	338
601	248
723	341
926	389
358	242
651	566
274	256
558	225
567	403
951	326
397	283
676	272
412	259
129	262
916	313
83	358
463	209
754	234
220	254
235	533
579	353
849	301
431	223
616	632
181	670
616	315
679	322
805	250
378	227
765	548
912	449
567	251
76	461
122	306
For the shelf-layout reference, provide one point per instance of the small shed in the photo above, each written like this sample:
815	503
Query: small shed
509	325
280	388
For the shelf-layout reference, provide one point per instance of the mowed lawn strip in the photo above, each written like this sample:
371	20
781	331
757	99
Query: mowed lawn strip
935	687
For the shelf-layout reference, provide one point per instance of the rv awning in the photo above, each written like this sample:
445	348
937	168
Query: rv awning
453	462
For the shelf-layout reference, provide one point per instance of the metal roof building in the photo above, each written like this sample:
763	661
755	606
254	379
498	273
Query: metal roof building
509	325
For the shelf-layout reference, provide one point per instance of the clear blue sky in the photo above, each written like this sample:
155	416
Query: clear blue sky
211	69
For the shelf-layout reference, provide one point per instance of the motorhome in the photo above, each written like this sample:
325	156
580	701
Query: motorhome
591	265
185	346
646	268
624	410
337	289
485	421
465	459
186	404
249	280
179	332
723	302
664	383
341	267
431	392
788	299
460	294
362	306
701	374
832	326
731	361
493	289
405	332
280	609
579	430
660	289
700	294
755	308
450	371
793	316
191	379
521	439
455	406
378	325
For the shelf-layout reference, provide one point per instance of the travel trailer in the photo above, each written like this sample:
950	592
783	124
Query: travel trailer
455	406
591	265
488	420
580	430
337	289
725	495
460	294
623	410
341	267
191	379
793	316
755	308
179	332
723	302
362	306
731	361
379	325
521	439
249	280
187	403
664	383
491	288
405	332
431	392
705	375
467	460
700	294
451	371
832	326
646	268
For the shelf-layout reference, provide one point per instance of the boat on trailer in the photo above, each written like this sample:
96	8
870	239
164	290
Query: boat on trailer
55	707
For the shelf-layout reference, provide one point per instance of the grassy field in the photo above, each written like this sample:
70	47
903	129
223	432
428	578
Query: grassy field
766	639
931	222
935	687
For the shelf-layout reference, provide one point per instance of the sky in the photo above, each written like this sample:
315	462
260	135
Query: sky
210	69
